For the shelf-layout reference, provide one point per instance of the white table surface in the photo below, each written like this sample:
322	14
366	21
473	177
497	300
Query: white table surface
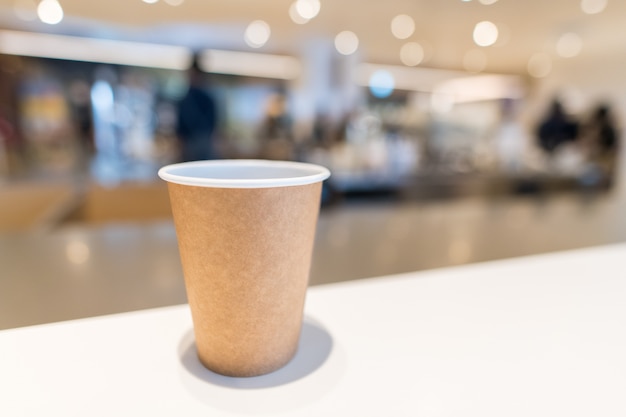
535	336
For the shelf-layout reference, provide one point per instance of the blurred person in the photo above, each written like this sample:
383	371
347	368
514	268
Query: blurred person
12	147
556	129
135	113
107	135
321	133
602	138
7	139
196	118
510	141
81	110
275	131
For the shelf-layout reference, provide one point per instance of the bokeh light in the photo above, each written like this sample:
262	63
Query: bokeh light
381	83
295	16
485	33
346	42
539	65
174	2
257	34
475	60
50	12
593	6
411	54
77	252
402	26
569	45
307	9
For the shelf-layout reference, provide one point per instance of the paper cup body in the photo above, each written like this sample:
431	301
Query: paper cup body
245	233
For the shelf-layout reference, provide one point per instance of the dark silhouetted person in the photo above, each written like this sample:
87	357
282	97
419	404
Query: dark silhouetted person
275	130
82	111
603	140
196	118
557	128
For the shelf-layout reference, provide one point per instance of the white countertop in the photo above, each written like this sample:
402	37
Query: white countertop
535	336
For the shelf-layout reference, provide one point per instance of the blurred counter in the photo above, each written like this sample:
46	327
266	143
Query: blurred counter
34	205
532	336
83	272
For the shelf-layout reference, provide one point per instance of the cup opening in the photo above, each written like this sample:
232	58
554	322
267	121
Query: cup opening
243	173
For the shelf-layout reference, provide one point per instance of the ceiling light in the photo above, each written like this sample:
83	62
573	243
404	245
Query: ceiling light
569	45
593	6
93	50
251	64
485	33
174	2
411	54
308	9
487	2
481	87
146	55
346	42
402	26
257	34
295	16
50	12
539	65
150	1
475	60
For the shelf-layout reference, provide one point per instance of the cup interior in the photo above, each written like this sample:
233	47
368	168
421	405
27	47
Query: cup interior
242	173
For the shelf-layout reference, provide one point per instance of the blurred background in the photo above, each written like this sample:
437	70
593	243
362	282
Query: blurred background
456	132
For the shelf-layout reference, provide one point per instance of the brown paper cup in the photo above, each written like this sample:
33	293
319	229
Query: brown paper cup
245	233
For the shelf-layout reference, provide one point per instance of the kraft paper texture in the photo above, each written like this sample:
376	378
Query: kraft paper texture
246	256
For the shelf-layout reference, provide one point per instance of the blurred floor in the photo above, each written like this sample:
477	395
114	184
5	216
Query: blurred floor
116	248
365	241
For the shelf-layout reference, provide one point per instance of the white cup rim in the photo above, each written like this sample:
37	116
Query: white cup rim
250	173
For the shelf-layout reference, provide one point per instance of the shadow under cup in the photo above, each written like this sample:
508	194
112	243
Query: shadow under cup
245	232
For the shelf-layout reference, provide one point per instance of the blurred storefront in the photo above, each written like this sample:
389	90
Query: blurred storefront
457	133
